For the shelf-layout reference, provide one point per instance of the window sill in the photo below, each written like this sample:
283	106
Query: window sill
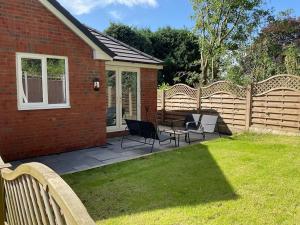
115	129
47	107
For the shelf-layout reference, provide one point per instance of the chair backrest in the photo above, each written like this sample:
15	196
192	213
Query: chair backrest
196	117
148	130
141	128
209	123
133	127
192	118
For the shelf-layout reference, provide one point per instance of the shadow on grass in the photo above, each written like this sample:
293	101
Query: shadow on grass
185	177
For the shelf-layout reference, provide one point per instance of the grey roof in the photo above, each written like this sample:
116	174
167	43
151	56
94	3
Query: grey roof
119	51
122	51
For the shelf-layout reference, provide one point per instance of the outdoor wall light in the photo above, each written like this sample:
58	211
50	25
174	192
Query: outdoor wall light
96	82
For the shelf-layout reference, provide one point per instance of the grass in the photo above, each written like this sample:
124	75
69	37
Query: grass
246	179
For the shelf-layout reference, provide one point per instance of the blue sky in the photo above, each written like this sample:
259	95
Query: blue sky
146	13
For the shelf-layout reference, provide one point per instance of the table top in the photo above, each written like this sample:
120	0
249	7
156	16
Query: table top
176	131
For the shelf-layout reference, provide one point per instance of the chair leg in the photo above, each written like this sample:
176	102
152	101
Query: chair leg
218	130
187	138
122	142
152	147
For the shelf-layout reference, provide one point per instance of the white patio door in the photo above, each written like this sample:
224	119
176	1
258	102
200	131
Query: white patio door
123	96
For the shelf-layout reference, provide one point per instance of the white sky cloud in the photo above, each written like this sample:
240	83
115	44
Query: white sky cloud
115	15
79	7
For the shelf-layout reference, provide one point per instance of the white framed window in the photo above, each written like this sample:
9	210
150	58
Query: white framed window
42	81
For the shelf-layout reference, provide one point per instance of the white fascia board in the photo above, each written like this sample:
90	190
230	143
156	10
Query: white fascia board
135	65
98	53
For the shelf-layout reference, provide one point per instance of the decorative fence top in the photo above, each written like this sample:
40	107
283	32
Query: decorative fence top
277	82
181	89
223	87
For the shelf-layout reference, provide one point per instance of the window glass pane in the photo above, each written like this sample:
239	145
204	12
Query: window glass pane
56	75
129	95
111	118
32	84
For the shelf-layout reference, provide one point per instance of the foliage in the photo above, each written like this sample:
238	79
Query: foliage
139	39
33	67
276	50
235	75
55	68
222	26
178	48
164	86
225	44
291	61
245	179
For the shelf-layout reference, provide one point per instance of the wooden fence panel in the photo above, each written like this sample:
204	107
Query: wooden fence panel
270	105
178	101
231	110
276	104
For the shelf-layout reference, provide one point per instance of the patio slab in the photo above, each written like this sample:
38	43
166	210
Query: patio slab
110	153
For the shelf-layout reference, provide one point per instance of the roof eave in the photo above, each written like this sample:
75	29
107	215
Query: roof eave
158	66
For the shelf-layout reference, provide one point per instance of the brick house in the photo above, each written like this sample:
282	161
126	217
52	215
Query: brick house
65	86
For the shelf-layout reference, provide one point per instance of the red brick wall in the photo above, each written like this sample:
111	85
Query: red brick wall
26	26
149	94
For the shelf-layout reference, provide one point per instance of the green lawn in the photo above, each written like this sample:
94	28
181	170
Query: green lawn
246	179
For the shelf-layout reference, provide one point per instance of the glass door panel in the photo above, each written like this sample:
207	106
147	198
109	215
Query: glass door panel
32	81
129	96
111	79
123	97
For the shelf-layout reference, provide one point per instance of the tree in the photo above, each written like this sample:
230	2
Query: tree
291	61
139	39
176	47
282	31
282	39
276	50
179	49
222	26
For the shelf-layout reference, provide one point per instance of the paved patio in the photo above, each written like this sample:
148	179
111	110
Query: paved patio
110	153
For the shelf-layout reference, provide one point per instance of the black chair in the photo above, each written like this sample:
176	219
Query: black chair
147	131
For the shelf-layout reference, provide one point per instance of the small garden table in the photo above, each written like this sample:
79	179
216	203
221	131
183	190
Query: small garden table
176	133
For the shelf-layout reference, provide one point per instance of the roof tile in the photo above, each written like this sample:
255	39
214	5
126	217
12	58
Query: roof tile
123	51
